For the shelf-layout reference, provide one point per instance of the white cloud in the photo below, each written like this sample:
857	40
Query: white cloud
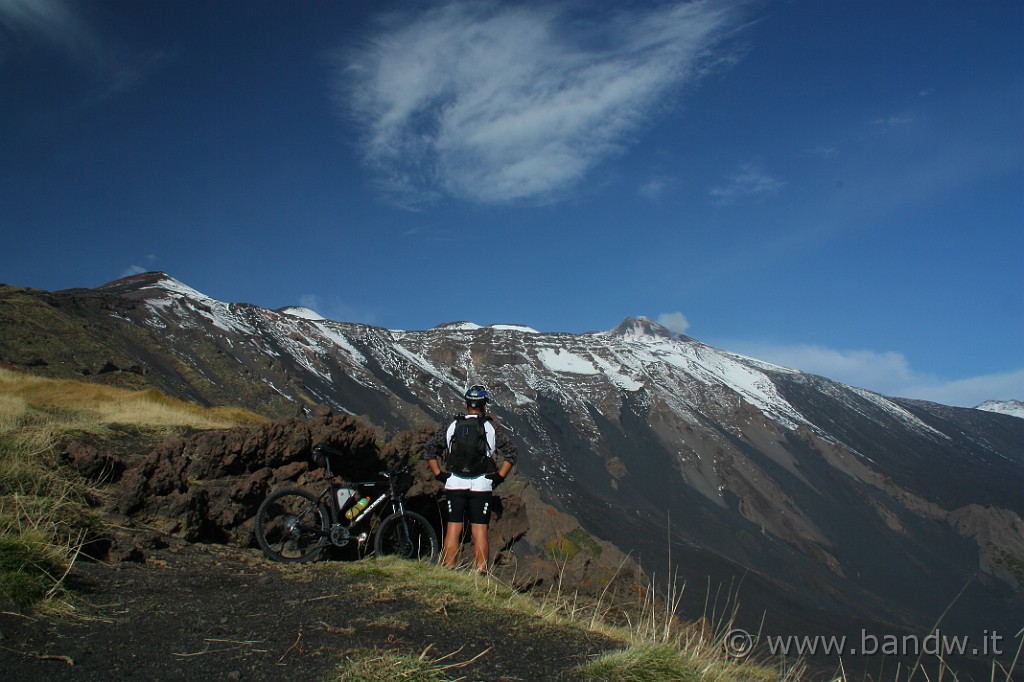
749	180
674	322
132	270
337	310
888	373
972	391
654	188
149	264
862	368
495	103
311	301
890	122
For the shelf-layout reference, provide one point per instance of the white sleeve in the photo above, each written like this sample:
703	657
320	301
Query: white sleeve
491	436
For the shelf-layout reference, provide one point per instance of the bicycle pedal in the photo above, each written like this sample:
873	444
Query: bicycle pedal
362	537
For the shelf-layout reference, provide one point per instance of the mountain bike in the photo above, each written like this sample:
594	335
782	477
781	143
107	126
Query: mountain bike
295	525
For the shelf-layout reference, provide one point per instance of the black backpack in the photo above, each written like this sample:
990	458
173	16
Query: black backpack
467	451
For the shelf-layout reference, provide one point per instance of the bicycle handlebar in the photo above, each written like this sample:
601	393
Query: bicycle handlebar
384	476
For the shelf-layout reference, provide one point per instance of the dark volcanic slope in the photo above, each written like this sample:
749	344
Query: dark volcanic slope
822	498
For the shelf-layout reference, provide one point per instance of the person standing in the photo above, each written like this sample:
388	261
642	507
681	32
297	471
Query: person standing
469	443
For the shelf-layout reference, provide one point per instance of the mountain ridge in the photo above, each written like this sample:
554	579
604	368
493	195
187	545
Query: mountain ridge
834	505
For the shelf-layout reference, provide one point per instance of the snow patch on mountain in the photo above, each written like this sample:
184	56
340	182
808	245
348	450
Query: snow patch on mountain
218	313
708	366
514	328
558	360
617	375
173	286
895	410
424	364
1014	408
302	312
341	342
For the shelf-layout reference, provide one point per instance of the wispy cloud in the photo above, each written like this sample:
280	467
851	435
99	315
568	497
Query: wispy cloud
972	391
656	187
495	103
132	270
126	72
333	308
674	322
749	180
888	373
821	152
55	21
60	26
891	122
149	263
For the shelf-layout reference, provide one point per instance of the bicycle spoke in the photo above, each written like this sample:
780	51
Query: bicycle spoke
410	536
292	525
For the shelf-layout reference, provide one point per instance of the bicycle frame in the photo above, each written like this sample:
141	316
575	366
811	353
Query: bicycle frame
337	516
387	477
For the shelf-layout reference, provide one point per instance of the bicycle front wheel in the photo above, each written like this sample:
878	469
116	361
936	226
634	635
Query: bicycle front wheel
408	535
292	526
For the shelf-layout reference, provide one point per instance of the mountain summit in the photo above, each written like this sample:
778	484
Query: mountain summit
837	508
642	327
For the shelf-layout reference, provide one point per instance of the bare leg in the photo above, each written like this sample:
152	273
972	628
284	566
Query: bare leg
452	538
481	550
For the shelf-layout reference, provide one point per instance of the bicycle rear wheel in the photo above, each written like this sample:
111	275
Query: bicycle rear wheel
292	526
408	535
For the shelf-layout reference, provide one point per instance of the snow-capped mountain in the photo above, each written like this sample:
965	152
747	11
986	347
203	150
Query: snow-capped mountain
833	505
1011	407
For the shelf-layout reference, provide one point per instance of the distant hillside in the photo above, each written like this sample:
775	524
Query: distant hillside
836	508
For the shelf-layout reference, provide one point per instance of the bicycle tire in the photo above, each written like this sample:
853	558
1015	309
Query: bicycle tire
292	526
420	543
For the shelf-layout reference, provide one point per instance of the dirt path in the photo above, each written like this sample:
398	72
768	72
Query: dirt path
209	612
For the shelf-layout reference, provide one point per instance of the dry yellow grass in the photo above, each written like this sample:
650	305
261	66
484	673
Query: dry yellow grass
85	403
45	510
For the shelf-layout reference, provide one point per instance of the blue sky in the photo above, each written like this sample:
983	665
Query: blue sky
833	186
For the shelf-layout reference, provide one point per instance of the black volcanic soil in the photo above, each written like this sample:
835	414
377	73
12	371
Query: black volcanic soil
170	601
210	612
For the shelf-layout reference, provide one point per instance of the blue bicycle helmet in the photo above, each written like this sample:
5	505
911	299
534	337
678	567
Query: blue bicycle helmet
477	395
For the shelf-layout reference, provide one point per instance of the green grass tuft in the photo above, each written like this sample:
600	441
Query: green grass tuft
28	566
652	662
